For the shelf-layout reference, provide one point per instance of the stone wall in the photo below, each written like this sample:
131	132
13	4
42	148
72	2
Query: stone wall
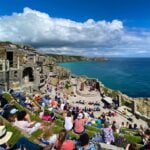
139	106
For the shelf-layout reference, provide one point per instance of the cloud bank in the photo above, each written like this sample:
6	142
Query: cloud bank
64	36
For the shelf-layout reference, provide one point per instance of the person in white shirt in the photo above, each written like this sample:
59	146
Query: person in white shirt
68	121
62	106
24	124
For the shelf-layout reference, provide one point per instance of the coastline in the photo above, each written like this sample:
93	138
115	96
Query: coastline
123	98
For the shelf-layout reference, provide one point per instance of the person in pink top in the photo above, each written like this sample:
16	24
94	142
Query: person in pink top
62	143
79	124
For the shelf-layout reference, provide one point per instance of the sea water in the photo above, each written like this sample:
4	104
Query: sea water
131	76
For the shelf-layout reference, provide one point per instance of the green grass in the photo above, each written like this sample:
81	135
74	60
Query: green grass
129	135
57	129
133	139
129	131
37	133
8	97
59	122
73	135
92	128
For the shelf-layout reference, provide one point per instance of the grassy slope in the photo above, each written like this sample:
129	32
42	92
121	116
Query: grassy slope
91	130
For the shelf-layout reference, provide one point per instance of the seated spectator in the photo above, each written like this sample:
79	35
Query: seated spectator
108	121
46	116
79	124
45	100
109	114
146	140
25	144
68	121
62	143
53	103
4	137
91	114
107	134
3	101
130	126
37	98
30	105
62	106
84	144
131	147
115	127
135	126
12	116
141	131
48	137
74	113
122	125
98	122
9	110
23	122
127	125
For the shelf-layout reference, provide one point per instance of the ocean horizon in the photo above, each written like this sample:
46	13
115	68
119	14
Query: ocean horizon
131	76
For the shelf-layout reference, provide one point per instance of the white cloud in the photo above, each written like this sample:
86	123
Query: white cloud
59	35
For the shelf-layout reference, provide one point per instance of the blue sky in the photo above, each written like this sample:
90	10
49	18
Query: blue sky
127	22
134	13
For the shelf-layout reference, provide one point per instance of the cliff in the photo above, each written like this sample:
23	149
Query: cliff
68	58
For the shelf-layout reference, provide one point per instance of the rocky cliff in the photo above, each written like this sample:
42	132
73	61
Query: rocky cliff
68	58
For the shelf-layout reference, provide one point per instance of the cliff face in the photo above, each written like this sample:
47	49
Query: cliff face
65	58
68	58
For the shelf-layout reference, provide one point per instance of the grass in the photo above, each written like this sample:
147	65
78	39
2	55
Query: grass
133	139
92	128
37	133
59	122
129	135
57	129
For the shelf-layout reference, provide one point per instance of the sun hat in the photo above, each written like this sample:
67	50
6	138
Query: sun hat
13	111
4	135
80	116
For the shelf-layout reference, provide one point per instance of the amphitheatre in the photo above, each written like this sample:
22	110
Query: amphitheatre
26	73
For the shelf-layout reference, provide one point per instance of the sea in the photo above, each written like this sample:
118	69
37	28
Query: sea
131	76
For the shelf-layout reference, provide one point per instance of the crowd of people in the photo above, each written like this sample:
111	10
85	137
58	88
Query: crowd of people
75	120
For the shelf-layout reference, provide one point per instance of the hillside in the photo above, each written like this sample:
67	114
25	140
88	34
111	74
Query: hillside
68	58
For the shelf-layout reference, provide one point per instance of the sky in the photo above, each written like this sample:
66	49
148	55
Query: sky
118	28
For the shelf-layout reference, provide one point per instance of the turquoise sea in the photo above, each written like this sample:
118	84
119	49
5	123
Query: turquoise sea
129	75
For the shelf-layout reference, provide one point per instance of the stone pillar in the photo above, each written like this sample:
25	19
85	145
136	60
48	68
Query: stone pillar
119	100
18	63
3	65
134	107
34	59
5	87
20	71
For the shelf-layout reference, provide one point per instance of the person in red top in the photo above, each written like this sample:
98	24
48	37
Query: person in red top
62	143
37	98
79	124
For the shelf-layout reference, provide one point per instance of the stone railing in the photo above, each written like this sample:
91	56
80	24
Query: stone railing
130	102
